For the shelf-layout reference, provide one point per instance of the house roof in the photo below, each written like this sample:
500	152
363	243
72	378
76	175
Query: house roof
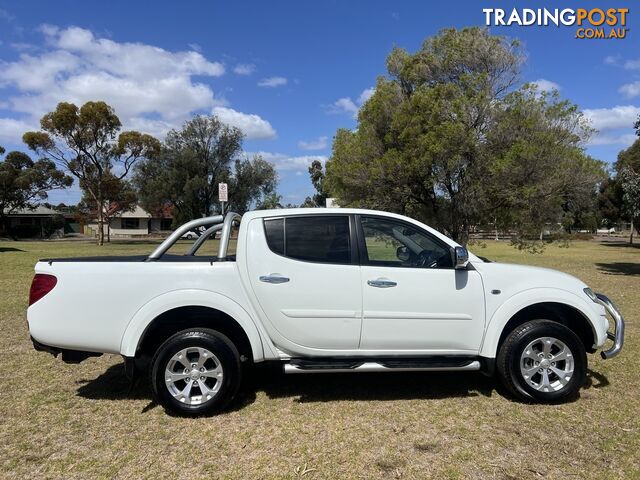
137	212
39	210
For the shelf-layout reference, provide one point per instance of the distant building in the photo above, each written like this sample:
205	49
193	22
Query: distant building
135	223
33	222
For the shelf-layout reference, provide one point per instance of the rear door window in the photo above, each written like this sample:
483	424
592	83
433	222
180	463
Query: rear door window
318	238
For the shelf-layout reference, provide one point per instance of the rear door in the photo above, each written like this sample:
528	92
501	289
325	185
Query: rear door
305	275
413	298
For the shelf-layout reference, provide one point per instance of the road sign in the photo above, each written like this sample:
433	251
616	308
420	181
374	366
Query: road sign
223	192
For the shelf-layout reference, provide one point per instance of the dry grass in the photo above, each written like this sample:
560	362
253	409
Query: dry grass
83	421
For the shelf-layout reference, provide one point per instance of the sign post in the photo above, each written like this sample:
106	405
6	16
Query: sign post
223	195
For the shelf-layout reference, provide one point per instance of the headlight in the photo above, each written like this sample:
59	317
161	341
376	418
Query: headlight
591	295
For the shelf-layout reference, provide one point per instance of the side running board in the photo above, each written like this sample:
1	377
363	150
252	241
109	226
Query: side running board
395	365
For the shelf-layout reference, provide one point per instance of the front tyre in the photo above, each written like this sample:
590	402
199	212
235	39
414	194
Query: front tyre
542	361
196	372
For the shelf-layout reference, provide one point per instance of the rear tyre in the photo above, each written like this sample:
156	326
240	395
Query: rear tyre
542	361
196	373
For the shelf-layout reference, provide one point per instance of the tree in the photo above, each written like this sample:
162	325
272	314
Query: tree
628	170
253	181
121	197
447	138
317	175
610	202
270	202
23	181
537	173
87	142
193	161
637	126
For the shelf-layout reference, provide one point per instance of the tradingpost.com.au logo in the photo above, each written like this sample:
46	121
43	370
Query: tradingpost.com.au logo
593	23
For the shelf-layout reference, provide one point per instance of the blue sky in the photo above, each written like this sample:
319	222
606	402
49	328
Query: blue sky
288	72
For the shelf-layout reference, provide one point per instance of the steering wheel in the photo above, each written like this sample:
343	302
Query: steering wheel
425	259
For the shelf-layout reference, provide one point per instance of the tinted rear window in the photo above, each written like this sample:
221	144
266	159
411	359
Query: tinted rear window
314	239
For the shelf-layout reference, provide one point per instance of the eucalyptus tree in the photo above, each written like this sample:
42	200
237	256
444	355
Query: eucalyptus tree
451	137
87	142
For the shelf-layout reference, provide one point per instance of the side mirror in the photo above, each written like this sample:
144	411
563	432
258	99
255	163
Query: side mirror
461	257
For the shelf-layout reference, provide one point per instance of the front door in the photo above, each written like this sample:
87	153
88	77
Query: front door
304	273
413	298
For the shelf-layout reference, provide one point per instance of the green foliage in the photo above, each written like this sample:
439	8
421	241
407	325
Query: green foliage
87	142
253	181
193	161
628	169
317	176
629	158
537	173
271	201
23	182
447	138
610	202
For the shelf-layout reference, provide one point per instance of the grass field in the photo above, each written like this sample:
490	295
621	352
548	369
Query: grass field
83	421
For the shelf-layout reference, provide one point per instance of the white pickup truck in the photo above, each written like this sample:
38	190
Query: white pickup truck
320	290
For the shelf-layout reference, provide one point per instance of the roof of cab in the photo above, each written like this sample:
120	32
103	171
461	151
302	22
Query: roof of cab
316	211
344	211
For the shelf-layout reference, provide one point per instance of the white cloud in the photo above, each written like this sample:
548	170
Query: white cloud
623	140
38	74
366	95
632	64
630	90
11	130
621	116
612	60
284	162
244	69
196	47
272	82
134	60
545	85
150	88
157	128
253	126
319	143
346	105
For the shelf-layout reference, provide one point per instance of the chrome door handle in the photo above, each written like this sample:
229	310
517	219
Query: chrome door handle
274	278
381	283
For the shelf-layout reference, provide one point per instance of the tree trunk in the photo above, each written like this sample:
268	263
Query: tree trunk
100	224
631	236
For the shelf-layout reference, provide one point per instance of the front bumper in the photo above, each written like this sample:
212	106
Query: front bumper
618	334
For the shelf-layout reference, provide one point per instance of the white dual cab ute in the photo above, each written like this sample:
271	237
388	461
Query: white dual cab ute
320	290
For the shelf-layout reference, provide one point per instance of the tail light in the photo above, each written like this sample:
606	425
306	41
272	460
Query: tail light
40	286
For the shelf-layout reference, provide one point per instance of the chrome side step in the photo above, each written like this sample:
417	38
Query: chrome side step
378	367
